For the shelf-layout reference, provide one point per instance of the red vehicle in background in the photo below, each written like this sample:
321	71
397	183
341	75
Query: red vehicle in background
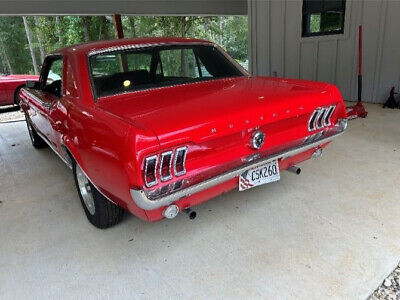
10	86
156	126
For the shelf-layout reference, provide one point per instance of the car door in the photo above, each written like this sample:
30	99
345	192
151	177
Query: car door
50	93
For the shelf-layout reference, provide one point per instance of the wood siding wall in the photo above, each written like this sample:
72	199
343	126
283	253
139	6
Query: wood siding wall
277	48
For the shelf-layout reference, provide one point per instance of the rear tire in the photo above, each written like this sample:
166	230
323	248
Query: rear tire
16	95
98	209
37	141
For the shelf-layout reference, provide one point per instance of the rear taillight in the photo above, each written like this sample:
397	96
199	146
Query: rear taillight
321	117
150	168
327	119
161	166
179	161
165	166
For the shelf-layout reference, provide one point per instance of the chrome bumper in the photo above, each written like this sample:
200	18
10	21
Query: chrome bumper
313	141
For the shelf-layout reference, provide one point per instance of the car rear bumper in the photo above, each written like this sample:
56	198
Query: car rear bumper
310	142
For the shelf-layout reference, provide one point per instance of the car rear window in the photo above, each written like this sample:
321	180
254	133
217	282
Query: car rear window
137	69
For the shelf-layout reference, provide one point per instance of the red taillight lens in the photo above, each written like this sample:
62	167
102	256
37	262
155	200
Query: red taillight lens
165	166
150	177
162	168
179	161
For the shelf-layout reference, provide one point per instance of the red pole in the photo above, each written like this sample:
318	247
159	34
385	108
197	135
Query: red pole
359	63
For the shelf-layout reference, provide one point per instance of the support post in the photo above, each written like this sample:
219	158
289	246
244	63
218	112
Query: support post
119	31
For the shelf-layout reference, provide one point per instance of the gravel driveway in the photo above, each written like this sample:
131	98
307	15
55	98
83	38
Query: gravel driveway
390	287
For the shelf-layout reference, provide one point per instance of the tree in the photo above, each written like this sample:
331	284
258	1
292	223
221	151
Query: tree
40	39
29	38
85	26
6	59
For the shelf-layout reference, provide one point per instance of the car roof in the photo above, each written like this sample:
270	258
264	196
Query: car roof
93	46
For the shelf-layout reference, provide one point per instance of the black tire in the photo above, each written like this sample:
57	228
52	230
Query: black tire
37	141
101	212
16	93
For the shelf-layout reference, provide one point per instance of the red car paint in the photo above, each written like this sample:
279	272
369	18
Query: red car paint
9	84
110	138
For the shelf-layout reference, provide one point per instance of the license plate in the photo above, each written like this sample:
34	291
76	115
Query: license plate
260	175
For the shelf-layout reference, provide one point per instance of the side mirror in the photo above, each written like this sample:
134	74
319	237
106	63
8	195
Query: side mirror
32	84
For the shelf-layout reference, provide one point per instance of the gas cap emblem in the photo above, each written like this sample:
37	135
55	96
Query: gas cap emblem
257	139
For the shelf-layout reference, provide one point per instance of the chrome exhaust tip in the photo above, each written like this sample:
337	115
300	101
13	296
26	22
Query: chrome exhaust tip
191	213
295	170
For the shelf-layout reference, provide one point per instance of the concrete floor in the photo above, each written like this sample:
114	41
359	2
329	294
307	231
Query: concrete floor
333	231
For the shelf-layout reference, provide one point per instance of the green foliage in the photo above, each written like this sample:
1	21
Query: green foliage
57	32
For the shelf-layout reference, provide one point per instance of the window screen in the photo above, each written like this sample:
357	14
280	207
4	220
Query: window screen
323	17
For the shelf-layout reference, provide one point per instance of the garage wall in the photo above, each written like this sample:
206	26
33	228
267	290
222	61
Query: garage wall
277	48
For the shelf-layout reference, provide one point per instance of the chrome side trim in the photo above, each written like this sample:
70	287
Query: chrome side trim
141	199
54	149
37	99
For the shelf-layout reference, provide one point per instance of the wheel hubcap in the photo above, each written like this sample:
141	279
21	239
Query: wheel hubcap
85	190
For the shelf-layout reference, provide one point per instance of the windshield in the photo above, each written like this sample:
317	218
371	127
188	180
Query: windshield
137	69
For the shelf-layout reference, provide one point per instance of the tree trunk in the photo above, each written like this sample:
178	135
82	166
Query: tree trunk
85	25
7	60
29	37
40	39
220	30
184	67
133	26
59	33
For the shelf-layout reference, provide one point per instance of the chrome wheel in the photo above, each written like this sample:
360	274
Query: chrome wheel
85	190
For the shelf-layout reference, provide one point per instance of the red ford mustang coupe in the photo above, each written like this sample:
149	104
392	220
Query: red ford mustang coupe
10	86
157	126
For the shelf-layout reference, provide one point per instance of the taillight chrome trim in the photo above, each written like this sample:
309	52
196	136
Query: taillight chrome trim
311	121
327	119
177	151
163	155
319	122
321	118
155	181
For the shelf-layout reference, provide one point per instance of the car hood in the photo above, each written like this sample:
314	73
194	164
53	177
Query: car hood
212	108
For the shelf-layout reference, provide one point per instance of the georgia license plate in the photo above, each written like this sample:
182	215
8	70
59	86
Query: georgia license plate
260	175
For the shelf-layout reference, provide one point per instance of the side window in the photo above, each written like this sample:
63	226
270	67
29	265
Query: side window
53	82
179	63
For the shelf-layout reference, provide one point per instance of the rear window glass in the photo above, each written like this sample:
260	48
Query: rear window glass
131	70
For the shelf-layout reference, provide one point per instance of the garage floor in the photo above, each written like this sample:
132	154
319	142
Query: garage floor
333	231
